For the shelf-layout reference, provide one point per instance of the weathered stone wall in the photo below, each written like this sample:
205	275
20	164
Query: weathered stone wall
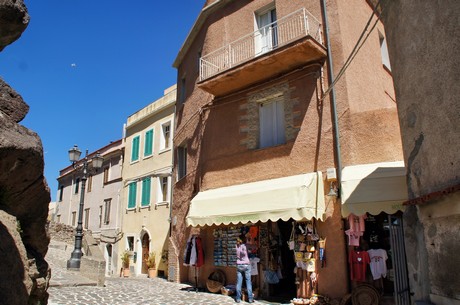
423	41
24	193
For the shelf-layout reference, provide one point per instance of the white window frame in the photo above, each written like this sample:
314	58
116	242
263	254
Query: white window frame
160	193
265	36
163	140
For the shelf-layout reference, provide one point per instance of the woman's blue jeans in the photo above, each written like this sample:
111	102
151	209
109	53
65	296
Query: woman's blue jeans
246	271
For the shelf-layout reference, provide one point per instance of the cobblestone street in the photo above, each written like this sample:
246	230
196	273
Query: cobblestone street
130	291
71	288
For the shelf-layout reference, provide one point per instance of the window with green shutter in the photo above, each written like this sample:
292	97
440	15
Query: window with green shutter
132	195
135	149
146	183
148	146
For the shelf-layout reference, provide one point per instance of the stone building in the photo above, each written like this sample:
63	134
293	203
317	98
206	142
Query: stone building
101	211
260	145
146	189
425	70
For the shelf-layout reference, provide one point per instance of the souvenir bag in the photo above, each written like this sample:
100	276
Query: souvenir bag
311	265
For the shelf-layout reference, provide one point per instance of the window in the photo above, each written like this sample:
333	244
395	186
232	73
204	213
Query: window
100	216
182	90
130	242
132	195
163	190
146	185
106	175
90	183
181	162
148	143
61	192
58	218
77	185
271	120
86	218
266	37
74	218
135	149
107	203
166	136
384	51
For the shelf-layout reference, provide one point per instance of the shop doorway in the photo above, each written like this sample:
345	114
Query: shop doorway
145	252
286	289
383	233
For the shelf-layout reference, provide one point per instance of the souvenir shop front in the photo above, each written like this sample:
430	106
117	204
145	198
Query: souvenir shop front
372	197
279	220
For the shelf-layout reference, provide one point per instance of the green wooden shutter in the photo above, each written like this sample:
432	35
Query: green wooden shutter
146	183
135	149
132	195
148	146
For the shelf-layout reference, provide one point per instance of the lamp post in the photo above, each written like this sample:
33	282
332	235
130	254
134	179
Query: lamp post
96	162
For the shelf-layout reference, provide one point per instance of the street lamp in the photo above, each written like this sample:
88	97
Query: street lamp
96	163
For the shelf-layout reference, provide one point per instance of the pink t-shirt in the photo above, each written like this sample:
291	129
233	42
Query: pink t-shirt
353	237
357	223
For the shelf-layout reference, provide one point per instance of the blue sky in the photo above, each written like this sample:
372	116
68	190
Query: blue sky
84	66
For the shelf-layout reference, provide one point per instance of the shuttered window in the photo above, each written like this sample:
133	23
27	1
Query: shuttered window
132	195
271	116
146	185
135	149
148	145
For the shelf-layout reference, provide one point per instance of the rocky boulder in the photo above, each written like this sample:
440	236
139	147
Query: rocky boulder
24	193
14	19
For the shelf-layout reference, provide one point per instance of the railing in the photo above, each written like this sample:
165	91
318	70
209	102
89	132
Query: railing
274	35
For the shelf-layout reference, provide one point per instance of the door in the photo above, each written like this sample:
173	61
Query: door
145	252
266	34
401	281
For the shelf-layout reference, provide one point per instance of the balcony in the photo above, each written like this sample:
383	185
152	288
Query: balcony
279	47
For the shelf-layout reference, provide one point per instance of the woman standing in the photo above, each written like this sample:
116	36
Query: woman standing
243	267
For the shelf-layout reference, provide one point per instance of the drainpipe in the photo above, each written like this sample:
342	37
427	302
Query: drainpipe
330	73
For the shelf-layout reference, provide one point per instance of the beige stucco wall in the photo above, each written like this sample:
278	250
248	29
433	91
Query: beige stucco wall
152	219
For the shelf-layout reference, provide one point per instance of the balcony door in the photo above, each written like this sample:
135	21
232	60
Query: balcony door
266	33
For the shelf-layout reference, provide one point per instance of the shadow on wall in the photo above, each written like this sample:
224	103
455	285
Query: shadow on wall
11	268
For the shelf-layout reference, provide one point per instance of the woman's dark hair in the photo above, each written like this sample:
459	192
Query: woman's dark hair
243	238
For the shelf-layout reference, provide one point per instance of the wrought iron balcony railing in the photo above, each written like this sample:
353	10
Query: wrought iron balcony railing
283	31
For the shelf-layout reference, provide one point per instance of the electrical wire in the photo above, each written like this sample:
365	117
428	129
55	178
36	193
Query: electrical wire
356	48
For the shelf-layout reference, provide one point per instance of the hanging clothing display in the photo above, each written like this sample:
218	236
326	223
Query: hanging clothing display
188	252
200	252
358	261
378	264
194	255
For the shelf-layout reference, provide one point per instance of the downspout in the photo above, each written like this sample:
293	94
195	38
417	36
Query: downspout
330	74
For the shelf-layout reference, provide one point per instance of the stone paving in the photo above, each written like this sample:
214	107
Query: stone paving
130	291
73	289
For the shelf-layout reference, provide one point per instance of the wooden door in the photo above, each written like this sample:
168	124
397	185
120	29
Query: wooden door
145	252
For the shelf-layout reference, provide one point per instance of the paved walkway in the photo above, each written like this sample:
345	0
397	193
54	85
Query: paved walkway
71	288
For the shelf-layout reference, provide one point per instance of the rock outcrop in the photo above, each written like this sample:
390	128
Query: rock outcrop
14	19
24	193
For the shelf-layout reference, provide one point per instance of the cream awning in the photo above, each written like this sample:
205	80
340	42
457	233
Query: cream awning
373	188
297	197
